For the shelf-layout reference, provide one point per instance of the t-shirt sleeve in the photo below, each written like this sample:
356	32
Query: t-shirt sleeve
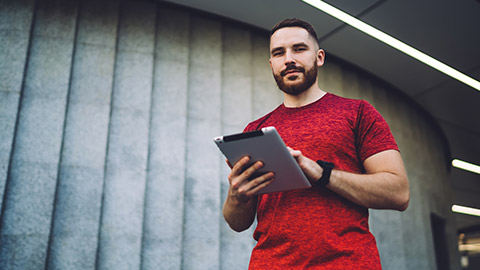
373	135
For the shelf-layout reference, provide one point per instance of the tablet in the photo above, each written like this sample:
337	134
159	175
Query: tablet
267	146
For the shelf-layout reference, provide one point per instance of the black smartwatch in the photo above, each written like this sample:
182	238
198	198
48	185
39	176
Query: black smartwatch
327	170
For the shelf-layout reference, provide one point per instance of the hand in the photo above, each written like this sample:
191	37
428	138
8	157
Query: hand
241	188
310	168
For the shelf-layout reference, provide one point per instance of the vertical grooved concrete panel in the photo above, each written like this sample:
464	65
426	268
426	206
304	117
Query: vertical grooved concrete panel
164	206
32	183
265	96
236	114
15	24
330	77
201	241
77	212
123	202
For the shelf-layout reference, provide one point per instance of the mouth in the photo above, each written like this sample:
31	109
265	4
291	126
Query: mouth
291	71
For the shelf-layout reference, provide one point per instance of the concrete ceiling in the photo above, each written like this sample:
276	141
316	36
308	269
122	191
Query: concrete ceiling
447	30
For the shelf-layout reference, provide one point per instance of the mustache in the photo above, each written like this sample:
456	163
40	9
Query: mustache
291	67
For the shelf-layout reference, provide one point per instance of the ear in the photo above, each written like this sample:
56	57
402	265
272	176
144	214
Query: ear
320	57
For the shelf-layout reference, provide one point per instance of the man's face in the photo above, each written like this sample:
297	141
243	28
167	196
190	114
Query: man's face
294	59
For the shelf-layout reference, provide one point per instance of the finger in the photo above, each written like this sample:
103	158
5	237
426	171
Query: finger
250	171
239	177
229	164
238	168
260	183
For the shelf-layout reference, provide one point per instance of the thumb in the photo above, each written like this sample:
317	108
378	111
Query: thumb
294	153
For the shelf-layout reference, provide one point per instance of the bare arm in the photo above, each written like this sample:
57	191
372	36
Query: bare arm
240	205
384	186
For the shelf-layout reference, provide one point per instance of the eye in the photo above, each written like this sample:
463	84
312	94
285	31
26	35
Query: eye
277	53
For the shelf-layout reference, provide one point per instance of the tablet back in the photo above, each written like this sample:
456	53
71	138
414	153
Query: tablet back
267	146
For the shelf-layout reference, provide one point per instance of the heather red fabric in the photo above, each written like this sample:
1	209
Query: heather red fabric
315	228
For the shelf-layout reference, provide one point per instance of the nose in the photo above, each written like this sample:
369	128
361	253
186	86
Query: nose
289	59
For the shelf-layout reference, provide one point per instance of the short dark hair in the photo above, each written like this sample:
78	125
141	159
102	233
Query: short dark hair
294	22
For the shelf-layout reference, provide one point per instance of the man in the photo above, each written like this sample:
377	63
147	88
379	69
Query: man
326	226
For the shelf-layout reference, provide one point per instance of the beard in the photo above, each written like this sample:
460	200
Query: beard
310	76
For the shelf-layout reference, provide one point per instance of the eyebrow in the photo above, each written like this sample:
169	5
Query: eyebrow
301	44
296	45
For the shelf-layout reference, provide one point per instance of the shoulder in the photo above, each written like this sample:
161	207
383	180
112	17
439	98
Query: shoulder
356	111
367	111
343	102
346	106
257	123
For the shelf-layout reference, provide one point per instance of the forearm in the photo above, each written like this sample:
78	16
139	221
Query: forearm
384	186
380	190
239	215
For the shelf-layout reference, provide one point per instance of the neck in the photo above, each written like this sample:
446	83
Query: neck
311	95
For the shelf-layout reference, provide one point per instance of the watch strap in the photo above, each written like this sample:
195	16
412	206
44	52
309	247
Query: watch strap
327	171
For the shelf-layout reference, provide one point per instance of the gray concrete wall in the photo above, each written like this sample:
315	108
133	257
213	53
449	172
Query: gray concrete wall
107	114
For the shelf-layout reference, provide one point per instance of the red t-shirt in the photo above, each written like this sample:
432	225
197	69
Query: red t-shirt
316	228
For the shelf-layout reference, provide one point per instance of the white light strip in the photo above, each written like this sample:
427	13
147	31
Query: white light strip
466	210
466	166
395	43
469	247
